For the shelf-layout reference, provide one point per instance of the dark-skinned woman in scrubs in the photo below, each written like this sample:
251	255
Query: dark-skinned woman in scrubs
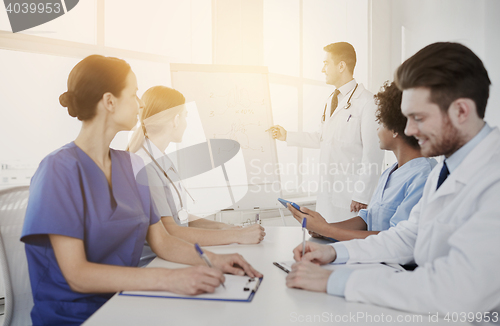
87	217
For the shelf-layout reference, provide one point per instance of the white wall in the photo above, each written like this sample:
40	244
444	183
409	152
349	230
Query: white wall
380	60
402	27
34	68
473	23
491	58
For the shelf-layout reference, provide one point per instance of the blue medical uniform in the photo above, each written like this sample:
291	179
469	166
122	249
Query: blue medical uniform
398	190
70	196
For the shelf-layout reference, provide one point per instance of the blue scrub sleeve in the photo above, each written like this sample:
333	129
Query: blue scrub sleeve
337	281
412	197
56	203
363	213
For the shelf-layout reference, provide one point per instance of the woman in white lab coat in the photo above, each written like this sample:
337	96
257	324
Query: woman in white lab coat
163	121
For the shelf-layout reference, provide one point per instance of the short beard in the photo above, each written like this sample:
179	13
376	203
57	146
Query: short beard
450	142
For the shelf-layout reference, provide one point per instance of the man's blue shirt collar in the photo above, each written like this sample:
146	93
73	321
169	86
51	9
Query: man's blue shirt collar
456	158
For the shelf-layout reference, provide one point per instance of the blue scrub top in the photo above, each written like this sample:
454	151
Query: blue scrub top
398	190
70	196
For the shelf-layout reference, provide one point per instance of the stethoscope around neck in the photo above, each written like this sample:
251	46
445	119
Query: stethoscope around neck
182	213
347	106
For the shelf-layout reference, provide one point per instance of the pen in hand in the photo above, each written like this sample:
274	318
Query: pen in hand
205	258
304	224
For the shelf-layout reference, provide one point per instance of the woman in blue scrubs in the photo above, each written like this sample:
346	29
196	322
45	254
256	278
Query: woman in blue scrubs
87	217
399	188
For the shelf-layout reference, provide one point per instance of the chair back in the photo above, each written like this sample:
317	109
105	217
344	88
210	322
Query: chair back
13	263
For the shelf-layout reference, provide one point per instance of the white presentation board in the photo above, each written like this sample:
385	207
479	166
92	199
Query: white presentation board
233	102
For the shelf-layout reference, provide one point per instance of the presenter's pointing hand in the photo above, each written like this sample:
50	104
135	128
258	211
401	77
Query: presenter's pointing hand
315	253
277	132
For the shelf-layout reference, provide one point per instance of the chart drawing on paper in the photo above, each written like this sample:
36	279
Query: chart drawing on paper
234	105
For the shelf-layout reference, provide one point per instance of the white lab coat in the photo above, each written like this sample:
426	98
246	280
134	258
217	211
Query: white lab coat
347	141
453	234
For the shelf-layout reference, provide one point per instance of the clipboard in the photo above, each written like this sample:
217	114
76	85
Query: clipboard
238	289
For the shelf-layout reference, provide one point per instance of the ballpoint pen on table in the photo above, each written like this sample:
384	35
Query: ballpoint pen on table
304	224
205	258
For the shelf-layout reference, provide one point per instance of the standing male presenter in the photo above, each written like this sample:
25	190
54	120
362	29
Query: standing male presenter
350	156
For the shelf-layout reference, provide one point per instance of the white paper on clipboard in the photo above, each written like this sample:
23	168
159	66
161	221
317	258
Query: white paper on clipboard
238	288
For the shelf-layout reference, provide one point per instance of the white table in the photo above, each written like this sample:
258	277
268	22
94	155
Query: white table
273	304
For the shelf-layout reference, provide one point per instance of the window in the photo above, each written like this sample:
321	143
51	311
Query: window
319	30
148	34
77	25
178	29
282	36
284	100
33	122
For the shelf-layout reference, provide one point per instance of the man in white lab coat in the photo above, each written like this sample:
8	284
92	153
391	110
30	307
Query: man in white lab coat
350	156
453	233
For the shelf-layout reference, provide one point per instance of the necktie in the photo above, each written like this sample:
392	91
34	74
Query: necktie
335	101
443	175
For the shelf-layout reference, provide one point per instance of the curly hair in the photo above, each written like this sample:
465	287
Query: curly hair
389	112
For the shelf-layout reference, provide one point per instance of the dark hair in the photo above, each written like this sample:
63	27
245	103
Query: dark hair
389	112
450	71
89	80
343	51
